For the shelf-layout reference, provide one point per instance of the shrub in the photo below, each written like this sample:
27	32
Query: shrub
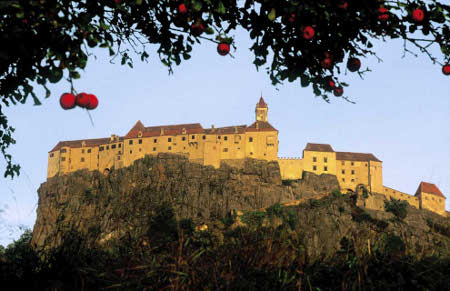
336	193
397	207
274	210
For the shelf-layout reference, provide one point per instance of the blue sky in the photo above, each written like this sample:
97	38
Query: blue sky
401	115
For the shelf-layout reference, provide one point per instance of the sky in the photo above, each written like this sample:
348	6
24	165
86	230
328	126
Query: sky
401	115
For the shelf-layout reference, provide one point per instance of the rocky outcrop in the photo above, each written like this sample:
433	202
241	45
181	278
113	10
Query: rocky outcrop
102	208
91	203
312	184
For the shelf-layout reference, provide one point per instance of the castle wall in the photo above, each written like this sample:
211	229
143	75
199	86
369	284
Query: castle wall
392	193
291	168
262	145
352	173
432	202
319	162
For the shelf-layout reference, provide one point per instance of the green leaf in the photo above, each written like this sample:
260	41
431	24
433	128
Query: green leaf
304	81
221	8
55	75
197	6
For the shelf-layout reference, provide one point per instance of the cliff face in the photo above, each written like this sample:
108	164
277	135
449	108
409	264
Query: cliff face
101	208
91	203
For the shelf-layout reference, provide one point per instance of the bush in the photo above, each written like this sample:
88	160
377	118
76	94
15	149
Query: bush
397	207
336	193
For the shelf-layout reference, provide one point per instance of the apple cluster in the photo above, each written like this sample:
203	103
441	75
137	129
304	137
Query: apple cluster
83	100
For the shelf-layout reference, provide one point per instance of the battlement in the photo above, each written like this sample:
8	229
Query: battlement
289	158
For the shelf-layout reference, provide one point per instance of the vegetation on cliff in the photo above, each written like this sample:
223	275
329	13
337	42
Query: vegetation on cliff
268	253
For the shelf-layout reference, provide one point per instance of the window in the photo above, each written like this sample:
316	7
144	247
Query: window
120	152
169	139
131	151
204	137
113	146
325	159
51	155
314	159
118	158
366	164
130	142
193	137
154	149
82	160
352	163
343	180
325	168
63	159
250	139
432	198
225	150
225	138
183	138
63	150
170	148
219	137
155	140
343	171
120	145
82	151
107	147
89	151
101	148
353	172
353	180
314	168
140	149
343	163
140	141
251	153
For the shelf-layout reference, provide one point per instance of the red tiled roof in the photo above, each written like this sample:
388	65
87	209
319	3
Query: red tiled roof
168	130
346	156
261	126
429	188
226	130
318	147
78	143
261	103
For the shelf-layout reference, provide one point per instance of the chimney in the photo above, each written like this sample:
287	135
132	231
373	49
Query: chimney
113	137
212	127
162	131
235	129
257	125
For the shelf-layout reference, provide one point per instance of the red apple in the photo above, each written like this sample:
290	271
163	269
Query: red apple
446	69
353	64
291	18
82	100
223	49
418	15
182	8
308	32
343	5
67	101
384	16
93	102
338	91
197	28
326	63
329	83
117	1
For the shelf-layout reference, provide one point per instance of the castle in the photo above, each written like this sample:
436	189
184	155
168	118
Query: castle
211	146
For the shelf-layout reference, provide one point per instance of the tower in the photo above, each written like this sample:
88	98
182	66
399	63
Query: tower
261	110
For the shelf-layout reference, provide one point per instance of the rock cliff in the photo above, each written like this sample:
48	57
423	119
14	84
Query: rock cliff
101	208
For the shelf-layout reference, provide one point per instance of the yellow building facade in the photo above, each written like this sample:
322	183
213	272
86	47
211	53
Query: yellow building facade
211	146
208	146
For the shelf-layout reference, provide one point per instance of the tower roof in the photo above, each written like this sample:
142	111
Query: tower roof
261	103
430	189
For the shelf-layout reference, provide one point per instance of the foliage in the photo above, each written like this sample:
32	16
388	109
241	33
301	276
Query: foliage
263	259
49	40
336	193
438	227
397	207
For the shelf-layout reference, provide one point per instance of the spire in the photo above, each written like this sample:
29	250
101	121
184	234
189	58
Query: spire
261	103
